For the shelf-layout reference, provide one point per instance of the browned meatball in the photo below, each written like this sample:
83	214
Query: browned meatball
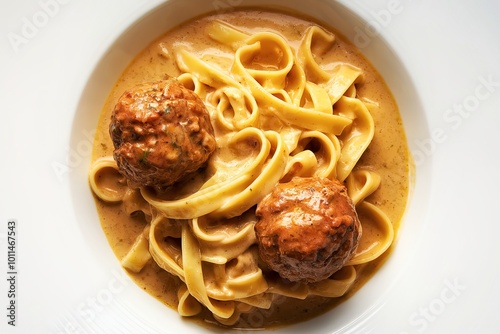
161	132
308	228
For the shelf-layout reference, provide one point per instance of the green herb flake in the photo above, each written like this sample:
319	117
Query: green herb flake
144	157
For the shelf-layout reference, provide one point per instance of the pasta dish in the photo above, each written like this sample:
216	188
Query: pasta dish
250	163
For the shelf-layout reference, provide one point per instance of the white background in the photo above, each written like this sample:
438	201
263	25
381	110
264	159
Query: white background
449	283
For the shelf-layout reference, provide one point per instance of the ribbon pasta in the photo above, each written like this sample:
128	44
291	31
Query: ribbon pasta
277	114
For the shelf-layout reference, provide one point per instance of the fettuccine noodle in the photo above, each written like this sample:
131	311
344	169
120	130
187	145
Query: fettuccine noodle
277	113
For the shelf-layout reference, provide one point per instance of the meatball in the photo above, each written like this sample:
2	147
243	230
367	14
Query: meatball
161	133
308	228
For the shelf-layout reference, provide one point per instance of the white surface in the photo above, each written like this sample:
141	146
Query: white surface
443	276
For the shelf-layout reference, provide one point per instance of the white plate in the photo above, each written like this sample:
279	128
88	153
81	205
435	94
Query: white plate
58	61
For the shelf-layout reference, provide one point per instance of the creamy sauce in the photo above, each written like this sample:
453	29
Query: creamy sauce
387	154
